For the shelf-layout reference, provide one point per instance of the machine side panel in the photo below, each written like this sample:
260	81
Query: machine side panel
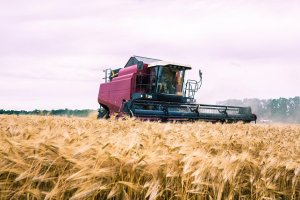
103	92
113	93
120	88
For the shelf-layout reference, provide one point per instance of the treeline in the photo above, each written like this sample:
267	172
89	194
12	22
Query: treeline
59	112
271	110
267	110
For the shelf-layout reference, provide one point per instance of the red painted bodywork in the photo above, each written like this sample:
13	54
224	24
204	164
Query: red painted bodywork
112	94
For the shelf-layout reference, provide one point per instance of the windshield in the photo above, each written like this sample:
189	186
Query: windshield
170	80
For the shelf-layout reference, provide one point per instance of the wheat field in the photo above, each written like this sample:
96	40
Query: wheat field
84	158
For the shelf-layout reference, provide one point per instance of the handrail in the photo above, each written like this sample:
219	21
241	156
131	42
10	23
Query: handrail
192	86
107	74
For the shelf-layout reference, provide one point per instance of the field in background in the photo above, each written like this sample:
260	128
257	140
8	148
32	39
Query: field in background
79	158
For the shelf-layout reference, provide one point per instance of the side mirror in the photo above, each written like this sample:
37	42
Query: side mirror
140	65
200	74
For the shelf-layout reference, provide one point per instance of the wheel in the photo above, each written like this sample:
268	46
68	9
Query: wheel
103	113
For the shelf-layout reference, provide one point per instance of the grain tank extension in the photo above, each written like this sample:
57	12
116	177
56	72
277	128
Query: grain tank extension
153	89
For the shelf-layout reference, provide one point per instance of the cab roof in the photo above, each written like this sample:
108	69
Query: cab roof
168	64
152	62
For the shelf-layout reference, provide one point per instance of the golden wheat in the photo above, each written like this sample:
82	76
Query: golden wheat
77	158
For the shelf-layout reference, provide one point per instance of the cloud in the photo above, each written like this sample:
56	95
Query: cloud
71	42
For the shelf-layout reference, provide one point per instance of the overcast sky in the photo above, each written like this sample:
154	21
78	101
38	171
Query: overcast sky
52	53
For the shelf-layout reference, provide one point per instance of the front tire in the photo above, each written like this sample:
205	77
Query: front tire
103	113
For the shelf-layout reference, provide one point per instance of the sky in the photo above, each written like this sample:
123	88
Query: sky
53	52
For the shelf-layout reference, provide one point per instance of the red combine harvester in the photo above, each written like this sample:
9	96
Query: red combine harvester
153	89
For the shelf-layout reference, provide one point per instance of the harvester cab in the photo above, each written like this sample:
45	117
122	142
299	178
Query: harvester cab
153	89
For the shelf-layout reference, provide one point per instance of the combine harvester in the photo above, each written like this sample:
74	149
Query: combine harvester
153	89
